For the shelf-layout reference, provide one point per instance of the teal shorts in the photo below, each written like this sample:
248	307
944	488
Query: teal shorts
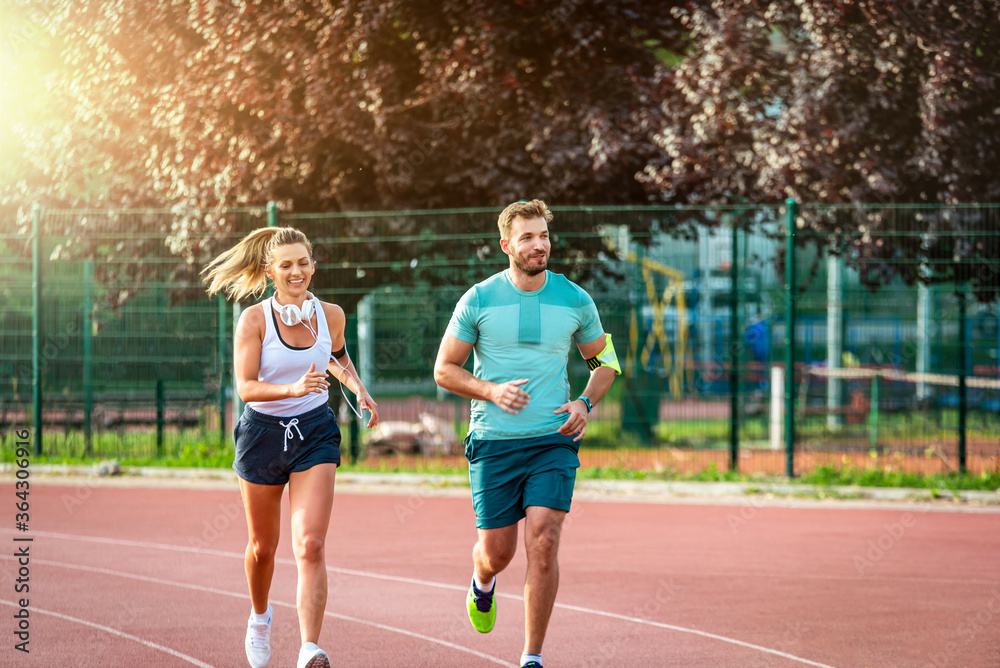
508	475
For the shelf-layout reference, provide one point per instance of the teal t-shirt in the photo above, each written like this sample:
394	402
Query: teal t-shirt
518	334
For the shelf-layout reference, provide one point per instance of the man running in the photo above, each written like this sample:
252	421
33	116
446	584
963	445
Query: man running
524	434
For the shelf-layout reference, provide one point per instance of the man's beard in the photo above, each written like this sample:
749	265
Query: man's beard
523	266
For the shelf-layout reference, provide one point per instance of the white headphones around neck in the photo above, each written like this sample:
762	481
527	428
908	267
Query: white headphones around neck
291	314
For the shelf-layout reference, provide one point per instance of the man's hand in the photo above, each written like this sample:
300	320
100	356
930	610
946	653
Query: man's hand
509	396
576	423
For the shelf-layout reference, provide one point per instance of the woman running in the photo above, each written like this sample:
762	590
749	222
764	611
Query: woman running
284	347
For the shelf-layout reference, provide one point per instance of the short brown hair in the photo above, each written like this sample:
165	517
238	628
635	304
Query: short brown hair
522	209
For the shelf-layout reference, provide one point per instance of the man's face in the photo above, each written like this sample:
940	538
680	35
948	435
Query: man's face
528	245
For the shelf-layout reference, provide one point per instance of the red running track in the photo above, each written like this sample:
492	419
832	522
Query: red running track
132	576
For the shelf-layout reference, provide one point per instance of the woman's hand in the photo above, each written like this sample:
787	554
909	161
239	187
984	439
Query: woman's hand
311	381
368	404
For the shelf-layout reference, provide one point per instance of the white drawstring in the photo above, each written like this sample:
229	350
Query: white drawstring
294	422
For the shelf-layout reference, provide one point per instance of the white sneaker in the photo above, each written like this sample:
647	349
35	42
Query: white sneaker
311	656
258	641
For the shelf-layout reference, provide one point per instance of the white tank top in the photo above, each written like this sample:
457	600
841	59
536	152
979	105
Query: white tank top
281	364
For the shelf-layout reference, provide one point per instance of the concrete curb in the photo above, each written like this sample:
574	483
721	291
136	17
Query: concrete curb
646	491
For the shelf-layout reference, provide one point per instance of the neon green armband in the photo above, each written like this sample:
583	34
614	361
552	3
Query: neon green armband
606	357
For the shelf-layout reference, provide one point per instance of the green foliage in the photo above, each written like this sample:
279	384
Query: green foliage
397	465
880	477
402	106
197	453
613	473
353	106
833	103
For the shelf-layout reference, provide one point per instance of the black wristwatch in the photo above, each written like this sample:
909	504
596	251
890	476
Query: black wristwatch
586	401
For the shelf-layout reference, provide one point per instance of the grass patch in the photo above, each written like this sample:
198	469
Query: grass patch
194	452
849	475
404	464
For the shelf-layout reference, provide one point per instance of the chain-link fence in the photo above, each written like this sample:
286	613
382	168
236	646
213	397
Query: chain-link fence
132	359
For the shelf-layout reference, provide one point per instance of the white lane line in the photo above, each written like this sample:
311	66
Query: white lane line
116	632
704	634
243	596
426	583
397	578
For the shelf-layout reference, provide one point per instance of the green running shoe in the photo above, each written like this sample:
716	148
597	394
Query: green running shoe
482	608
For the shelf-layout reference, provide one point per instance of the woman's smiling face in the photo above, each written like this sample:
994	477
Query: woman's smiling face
291	269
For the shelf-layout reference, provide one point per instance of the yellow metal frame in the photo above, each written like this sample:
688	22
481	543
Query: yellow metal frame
673	293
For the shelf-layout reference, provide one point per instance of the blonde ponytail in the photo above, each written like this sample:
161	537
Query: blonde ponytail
240	270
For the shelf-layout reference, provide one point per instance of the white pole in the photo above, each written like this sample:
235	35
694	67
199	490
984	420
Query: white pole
366	341
777	405
834	340
706	324
924	334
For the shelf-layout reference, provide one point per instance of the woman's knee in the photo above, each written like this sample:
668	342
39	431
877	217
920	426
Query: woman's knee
263	550
309	548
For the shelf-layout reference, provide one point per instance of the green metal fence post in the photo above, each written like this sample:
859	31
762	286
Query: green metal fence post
88	354
237	400
272	214
353	428
222	367
272	221
790	289
873	417
160	401
36	325
963	370
734	347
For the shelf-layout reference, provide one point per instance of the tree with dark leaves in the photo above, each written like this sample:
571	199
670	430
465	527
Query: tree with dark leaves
340	106
350	106
845	102
202	107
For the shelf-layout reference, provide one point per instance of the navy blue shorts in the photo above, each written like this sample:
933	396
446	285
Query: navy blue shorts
270	448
